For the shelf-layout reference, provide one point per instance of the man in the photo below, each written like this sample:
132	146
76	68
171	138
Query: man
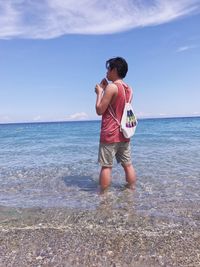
111	99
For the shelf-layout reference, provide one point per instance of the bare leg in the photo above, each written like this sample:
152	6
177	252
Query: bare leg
105	177
130	175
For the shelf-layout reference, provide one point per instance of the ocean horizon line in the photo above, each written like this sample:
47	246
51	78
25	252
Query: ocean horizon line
97	120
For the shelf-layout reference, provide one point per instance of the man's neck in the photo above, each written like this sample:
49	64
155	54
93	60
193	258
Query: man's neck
117	80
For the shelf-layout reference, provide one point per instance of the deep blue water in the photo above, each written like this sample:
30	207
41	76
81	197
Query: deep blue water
55	164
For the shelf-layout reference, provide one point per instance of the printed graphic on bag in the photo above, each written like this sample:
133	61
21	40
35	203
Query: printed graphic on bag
130	119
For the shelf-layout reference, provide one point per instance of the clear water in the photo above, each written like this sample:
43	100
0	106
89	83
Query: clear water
55	165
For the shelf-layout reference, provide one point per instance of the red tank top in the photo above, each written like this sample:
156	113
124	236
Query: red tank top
110	130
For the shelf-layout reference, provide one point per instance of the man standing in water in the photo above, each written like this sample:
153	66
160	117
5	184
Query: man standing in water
110	96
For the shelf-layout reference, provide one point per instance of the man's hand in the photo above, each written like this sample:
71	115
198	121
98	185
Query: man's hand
104	83
98	89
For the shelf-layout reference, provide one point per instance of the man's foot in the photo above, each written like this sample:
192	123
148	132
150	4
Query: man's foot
130	186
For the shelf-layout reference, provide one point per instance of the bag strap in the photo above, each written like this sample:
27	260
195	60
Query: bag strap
110	109
112	113
131	93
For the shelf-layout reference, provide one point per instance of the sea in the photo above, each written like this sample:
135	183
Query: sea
55	164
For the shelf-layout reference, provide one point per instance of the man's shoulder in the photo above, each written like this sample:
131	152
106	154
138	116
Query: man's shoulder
111	89
112	86
126	86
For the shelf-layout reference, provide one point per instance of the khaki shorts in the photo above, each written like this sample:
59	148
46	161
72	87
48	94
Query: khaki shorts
121	151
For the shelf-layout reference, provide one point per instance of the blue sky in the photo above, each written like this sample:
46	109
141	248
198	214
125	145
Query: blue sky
52	53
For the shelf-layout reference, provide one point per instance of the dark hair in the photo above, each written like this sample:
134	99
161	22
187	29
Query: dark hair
120	64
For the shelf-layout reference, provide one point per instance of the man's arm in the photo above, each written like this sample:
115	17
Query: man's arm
103	100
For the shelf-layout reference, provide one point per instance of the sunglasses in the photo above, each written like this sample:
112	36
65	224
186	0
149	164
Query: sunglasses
108	67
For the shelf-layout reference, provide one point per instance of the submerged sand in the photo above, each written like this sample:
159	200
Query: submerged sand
105	236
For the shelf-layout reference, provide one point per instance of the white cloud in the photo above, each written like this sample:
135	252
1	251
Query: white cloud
37	118
78	116
185	48
73	117
5	119
53	18
144	115
196	113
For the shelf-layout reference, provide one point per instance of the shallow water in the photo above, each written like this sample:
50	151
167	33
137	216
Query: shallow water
55	165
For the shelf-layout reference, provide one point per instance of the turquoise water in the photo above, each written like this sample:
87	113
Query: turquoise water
55	165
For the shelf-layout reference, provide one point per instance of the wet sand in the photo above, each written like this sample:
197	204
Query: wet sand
106	236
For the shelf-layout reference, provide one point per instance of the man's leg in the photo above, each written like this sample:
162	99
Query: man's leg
105	177
130	175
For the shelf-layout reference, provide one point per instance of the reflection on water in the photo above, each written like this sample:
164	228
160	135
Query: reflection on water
84	183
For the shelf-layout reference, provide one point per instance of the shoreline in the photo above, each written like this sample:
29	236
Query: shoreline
106	236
